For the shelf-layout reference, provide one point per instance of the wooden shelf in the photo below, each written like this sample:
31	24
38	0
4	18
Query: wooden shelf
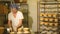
46	8
49	3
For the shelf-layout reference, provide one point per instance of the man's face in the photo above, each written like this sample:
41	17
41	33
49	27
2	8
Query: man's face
14	10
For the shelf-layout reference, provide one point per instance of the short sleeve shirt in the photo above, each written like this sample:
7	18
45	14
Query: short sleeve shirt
15	21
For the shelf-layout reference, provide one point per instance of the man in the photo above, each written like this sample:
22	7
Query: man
15	17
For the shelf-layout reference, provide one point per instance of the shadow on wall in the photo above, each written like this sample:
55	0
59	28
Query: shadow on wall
27	21
30	20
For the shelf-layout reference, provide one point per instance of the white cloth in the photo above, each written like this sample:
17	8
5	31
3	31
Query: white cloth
15	21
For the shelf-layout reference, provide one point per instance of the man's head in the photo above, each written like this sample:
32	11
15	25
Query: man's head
14	8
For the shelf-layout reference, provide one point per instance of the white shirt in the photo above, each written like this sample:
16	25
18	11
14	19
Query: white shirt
15	21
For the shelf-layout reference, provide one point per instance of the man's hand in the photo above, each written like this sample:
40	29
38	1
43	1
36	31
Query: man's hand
9	23
10	28
20	23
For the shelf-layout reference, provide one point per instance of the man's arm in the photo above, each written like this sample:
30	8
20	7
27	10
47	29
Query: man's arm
20	22
20	16
9	23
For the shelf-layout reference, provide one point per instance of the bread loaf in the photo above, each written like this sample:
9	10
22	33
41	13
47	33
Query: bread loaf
50	6
41	18
56	20
11	32
46	19
41	23
26	29
54	15
46	23
19	29
45	15
56	24
50	24
51	19
49	15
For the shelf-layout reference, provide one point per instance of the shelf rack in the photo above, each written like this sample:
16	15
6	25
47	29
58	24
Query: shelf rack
48	17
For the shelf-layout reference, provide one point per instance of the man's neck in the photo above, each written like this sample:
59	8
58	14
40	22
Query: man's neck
15	13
